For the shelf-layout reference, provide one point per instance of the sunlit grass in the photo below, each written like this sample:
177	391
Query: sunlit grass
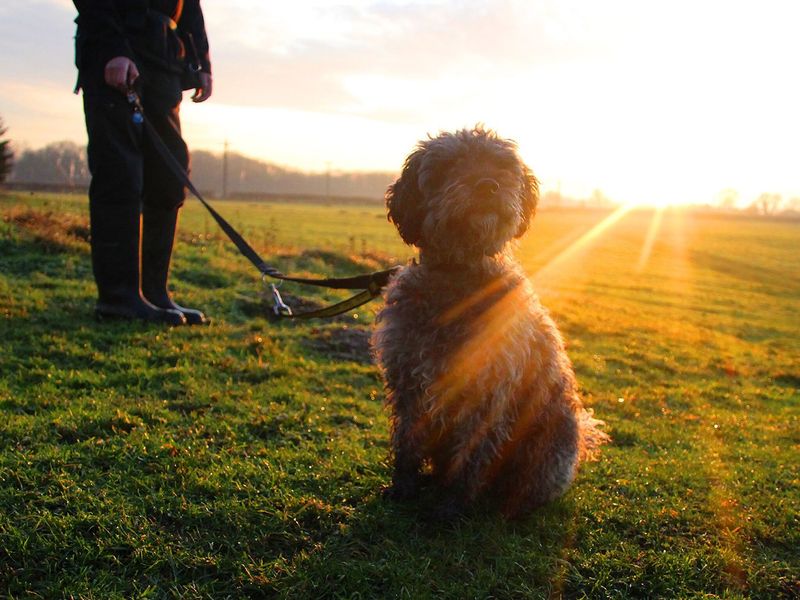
246	459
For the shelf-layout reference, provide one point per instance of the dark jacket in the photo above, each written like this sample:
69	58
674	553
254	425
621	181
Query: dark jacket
140	30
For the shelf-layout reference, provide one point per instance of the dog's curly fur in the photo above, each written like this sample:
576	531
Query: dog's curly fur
481	391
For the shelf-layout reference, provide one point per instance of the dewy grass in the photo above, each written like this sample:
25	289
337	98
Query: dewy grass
246	459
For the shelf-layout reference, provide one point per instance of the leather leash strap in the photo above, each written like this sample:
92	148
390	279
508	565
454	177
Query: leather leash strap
371	284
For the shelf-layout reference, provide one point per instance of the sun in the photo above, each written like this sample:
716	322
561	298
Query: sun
657	202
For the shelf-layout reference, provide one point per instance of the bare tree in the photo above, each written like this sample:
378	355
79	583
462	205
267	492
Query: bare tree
767	204
6	154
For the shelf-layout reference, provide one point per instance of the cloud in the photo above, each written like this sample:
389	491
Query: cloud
37	41
39	113
37	73
327	56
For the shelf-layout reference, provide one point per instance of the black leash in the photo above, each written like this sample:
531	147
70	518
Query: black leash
371	284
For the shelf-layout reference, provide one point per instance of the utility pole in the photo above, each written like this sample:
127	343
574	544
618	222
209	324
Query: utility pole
225	171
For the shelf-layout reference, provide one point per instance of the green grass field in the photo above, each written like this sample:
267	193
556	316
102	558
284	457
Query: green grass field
246	459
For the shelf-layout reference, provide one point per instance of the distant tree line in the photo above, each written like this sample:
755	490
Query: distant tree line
59	163
65	164
766	204
251	176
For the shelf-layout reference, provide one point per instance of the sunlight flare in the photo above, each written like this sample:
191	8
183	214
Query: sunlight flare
650	238
559	264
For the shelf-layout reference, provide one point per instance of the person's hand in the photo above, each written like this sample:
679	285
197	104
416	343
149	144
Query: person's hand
120	73
203	93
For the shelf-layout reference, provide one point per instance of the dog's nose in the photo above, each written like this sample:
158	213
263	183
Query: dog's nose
487	186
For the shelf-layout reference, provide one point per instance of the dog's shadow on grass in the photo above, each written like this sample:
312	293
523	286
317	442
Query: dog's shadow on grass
389	549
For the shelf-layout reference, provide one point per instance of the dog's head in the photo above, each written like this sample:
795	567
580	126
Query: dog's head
463	195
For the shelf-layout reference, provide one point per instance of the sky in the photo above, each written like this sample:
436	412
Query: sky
649	102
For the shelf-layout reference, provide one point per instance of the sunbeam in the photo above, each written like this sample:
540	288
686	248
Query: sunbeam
650	238
558	265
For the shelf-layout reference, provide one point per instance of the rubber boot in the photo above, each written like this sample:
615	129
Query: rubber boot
158	239
115	235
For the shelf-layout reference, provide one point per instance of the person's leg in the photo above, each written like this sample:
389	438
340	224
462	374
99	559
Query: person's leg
158	237
115	192
163	196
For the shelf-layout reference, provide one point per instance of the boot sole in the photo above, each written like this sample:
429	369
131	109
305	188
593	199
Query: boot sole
101	315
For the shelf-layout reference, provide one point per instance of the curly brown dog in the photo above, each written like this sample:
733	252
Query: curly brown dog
482	394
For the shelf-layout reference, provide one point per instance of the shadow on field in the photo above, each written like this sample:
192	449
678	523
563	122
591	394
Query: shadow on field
41	277
57	349
389	550
749	272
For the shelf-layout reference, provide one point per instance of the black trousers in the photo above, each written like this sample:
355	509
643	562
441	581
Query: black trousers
126	169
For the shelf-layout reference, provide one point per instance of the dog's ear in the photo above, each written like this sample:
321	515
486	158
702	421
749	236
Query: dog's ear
404	200
530	198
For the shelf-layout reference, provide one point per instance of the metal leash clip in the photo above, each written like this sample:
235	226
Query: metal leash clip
280	308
